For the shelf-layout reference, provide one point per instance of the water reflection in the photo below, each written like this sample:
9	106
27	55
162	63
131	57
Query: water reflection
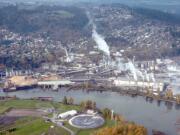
158	103
168	105
177	106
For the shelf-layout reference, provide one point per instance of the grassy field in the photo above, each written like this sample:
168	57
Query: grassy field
33	104
3	109
37	126
34	126
31	125
1	85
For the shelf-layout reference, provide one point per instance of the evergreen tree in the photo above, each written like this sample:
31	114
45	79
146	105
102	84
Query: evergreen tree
65	100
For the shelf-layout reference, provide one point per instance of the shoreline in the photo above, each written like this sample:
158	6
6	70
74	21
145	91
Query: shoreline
113	98
133	92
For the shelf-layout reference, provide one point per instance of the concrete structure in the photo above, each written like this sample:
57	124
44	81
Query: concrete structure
55	84
91	112
86	121
67	114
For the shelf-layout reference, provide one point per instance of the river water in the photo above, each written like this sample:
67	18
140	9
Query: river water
152	115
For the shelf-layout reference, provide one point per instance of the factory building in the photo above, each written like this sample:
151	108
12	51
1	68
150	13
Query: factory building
131	83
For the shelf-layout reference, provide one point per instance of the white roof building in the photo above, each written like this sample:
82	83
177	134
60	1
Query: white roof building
91	112
55	82
67	114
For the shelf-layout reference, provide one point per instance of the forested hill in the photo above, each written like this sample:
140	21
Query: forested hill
43	18
158	15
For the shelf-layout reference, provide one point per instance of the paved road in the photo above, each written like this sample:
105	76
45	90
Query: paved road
59	124
70	131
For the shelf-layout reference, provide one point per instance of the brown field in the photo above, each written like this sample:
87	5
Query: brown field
25	112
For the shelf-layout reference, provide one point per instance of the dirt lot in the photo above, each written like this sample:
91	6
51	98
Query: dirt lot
25	112
6	120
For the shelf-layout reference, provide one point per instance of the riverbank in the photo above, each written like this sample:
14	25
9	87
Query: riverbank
25	116
165	96
149	113
149	93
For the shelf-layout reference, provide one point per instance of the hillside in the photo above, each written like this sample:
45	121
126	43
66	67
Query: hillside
31	36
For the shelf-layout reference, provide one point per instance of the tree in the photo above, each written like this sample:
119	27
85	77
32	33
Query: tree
106	113
123	129
169	94
70	101
83	105
149	92
64	101
178	99
119	119
88	104
94	105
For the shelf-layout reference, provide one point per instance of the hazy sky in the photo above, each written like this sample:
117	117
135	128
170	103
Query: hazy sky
121	1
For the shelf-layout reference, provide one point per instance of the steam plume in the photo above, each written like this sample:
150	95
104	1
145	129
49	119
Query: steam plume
102	45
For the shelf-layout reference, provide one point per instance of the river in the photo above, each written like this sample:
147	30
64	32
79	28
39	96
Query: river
152	115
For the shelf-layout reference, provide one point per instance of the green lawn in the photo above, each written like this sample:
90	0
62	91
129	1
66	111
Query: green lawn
3	109
60	131
27	126
37	126
76	130
23	103
33	104
33	127
63	108
1	85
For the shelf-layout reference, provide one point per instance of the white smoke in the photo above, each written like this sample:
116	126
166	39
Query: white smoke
119	63
100	41
102	45
133	70
140	73
152	77
147	76
129	66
